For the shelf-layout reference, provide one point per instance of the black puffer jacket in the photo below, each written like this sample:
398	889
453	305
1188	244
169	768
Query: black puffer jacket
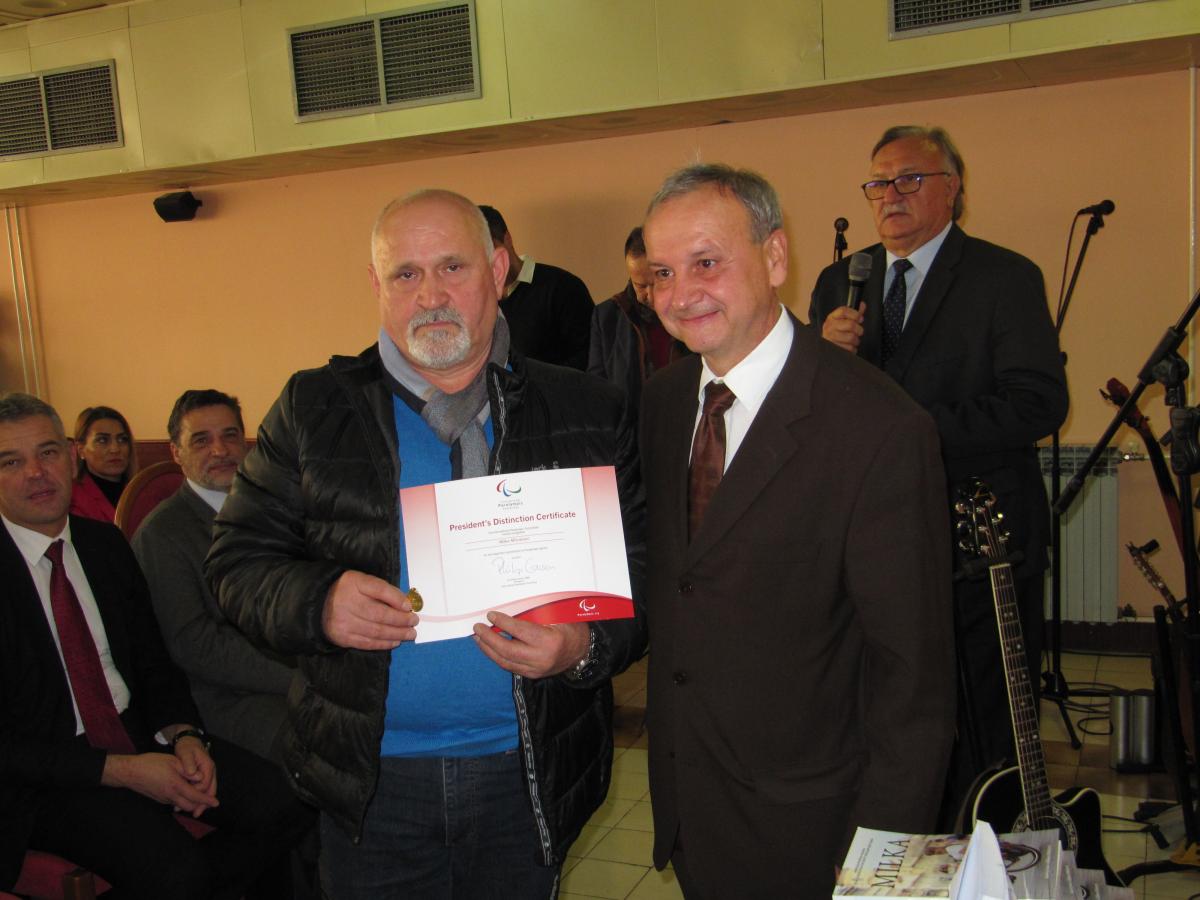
318	496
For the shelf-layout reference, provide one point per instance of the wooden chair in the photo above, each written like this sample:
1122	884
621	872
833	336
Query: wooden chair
148	488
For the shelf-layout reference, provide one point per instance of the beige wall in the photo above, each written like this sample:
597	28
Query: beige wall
272	276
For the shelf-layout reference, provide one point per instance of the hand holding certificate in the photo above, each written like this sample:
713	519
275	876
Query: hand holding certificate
545	547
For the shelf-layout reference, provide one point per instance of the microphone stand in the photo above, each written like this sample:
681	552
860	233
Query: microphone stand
839	238
1056	688
1167	367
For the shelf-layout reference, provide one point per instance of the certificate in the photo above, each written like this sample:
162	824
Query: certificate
543	546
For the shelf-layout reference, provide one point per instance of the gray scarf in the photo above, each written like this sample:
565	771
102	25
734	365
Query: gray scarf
454	418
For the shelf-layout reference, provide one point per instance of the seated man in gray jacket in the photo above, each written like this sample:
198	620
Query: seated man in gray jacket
241	690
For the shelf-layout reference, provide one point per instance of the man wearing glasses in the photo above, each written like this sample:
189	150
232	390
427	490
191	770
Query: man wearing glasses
963	326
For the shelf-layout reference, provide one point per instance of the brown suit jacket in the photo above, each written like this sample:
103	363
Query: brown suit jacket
801	664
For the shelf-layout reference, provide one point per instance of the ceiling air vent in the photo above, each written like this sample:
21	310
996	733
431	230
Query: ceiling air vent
391	60
60	111
429	54
22	118
911	18
335	69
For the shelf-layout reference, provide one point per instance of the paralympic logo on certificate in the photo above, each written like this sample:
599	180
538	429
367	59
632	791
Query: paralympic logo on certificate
545	546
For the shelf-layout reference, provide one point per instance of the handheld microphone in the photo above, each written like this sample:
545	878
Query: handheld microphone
860	271
840	224
1103	208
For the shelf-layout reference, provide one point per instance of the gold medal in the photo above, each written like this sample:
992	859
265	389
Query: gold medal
414	597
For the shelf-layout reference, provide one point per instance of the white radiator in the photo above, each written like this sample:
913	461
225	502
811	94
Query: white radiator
1090	547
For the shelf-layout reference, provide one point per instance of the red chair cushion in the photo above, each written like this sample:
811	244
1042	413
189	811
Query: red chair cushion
42	876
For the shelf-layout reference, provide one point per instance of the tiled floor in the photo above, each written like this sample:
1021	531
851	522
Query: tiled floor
611	860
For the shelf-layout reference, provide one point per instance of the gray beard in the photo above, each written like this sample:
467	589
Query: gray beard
438	349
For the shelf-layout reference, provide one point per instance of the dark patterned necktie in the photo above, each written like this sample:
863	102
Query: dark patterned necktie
893	310
101	722
708	453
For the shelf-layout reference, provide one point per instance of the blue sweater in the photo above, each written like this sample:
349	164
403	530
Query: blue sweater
445	698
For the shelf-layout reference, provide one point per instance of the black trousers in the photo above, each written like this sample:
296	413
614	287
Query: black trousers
138	846
984	734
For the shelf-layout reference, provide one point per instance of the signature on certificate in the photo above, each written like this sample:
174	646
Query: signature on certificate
519	565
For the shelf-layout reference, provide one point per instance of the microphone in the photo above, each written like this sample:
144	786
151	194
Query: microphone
1103	208
860	271
840	224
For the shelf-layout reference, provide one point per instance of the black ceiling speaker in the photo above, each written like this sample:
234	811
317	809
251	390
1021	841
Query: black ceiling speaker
180	206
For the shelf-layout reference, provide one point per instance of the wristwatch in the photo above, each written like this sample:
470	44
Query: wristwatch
197	733
582	669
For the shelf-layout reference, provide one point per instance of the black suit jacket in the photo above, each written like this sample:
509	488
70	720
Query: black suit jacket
979	353
38	746
801	667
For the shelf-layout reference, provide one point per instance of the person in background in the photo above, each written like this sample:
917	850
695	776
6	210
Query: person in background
241	690
104	443
549	310
629	343
100	741
963	327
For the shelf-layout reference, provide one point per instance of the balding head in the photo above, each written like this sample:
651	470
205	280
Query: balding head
438	280
432	194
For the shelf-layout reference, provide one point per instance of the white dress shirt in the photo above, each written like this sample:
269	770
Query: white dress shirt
215	499
32	546
750	380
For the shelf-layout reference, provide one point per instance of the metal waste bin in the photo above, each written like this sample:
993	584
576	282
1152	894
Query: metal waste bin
1131	745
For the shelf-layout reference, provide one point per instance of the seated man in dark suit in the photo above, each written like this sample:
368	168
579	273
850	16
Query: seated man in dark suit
548	310
241	691
629	343
99	738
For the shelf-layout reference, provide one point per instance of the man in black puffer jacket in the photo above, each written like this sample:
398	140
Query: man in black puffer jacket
460	768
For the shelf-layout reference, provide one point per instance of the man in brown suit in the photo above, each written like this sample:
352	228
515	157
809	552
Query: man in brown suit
801	678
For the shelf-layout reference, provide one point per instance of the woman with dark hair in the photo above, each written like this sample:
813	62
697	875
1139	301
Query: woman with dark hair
104	444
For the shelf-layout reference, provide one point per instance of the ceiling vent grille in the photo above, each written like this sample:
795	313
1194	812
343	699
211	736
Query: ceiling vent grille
335	69
428	54
911	18
22	118
60	111
391	60
81	108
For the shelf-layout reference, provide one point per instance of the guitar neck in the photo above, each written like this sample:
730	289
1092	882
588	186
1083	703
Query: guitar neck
1030	758
1147	570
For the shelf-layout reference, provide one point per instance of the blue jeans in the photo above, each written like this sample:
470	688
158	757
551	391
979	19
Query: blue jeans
442	829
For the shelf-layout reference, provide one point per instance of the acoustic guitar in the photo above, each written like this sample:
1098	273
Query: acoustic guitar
1018	798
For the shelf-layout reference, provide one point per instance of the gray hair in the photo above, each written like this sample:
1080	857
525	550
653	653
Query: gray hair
15	406
940	138
749	188
472	211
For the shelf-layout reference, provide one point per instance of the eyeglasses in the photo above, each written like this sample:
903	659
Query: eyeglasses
905	184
